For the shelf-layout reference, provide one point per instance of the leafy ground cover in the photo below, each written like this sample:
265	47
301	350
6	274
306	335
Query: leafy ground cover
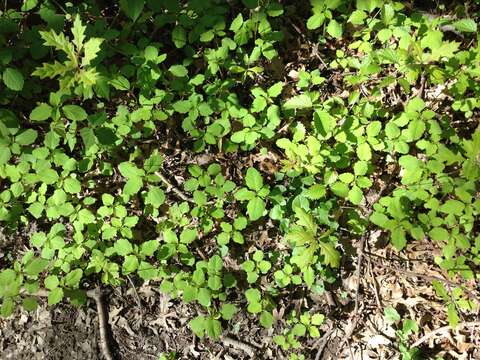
298	180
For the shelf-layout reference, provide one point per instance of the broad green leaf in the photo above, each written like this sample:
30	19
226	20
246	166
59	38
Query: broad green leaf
253	179
266	319
335	29
357	17
29	303
36	266
51	282
179	37
129	170
452	315
439	234
55	296
228	311
331	255
72	279
132	8
130	264
28	5
398	238
13	79
255	208
315	21
91	49
26	137
41	113
72	185
364	152
74	112
391	315
148	248
9	285
355	195
302	101
198	325
155	197
123	247
453	207
178	70
465	25
187	236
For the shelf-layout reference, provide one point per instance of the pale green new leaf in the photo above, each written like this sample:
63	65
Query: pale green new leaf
92	47
60	42
302	101
78	31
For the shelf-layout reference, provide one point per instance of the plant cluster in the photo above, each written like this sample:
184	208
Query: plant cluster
93	101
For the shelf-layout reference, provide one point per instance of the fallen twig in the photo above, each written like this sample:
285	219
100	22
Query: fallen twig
176	190
96	294
322	343
248	349
444	329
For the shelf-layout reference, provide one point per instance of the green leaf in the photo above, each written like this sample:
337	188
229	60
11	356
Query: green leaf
315	21
335	29
55	296
13	79
253	295
331	255
355	195
452	314
36	266
123	247
8	307
155	197
465	25
72	279
78	31
132	8
391	315
398	238
129	170
130	264
178	70
28	5
213	328
9	285
204	297
302	101
255	208
253	179
51	282
26	137
357	17
41	113
198	325
148	248
30	303
266	319
187	236
91	49
364	152
72	185
179	37
452	207
74	112
439	234
228	311
340	189
120	83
